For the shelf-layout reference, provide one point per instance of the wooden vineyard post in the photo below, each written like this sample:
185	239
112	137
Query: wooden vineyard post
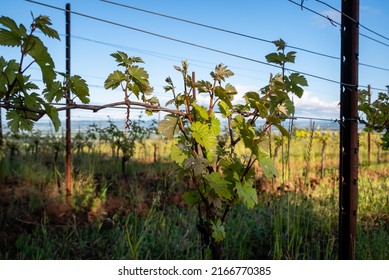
348	165
369	133
68	157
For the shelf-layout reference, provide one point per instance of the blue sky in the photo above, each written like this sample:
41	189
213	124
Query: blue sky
93	41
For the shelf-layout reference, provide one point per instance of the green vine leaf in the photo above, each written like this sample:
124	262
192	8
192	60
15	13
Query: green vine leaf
254	100
9	39
247	193
13	36
276	58
224	109
192	197
124	60
41	56
226	94
294	83
114	80
8	72
55	92
179	153
32	100
246	132
204	86
267	165
280	44
219	185
139	77
201	111
230	166
198	165
203	135
221	73
17	122
79	87
169	126
218	231
43	24
52	113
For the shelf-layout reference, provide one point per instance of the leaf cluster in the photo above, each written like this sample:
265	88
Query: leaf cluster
376	113
223	178
205	153
132	79
18	94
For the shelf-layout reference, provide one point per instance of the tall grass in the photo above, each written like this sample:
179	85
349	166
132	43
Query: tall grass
151	221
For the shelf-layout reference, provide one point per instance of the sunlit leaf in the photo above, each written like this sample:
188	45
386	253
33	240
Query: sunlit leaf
124	60
169	126
247	193
114	80
139	76
267	165
224	109
203	135
178	153
294	83
201	111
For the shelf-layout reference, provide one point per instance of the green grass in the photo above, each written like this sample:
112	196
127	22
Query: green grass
141	215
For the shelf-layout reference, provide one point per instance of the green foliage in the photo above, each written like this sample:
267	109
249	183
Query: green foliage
217	183
133	79
376	114
169	126
301	224
281	58
204	134
218	189
218	232
39	53
17	93
247	193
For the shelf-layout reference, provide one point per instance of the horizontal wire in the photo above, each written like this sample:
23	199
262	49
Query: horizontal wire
193	44
334	22
235	33
200	46
218	29
172	57
160	55
355	21
375	40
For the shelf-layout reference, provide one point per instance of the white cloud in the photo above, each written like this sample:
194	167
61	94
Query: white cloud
309	105
312	106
